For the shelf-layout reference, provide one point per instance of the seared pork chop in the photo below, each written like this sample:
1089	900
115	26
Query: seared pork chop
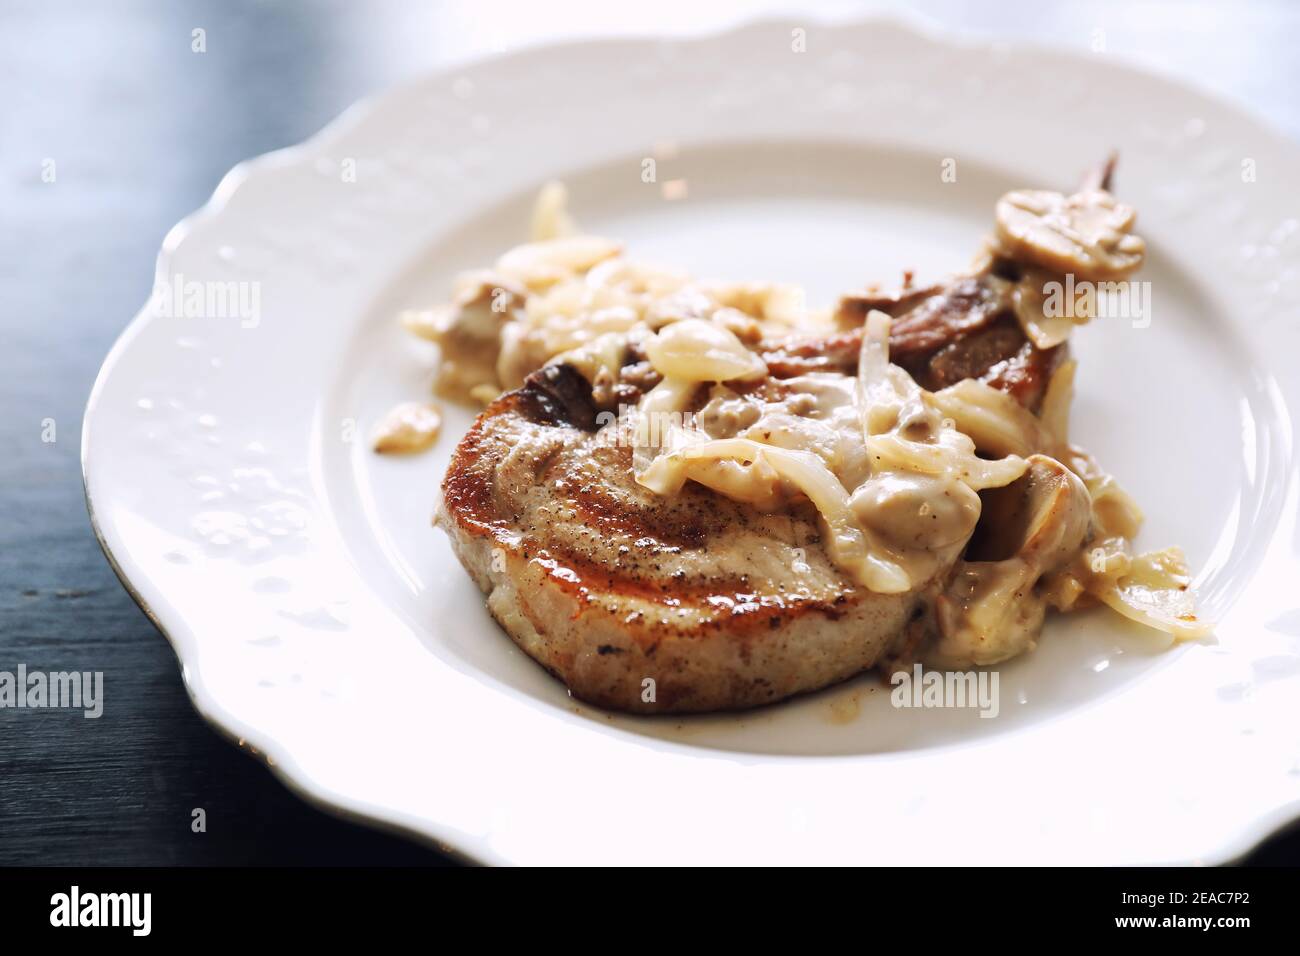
639	602
691	602
661	604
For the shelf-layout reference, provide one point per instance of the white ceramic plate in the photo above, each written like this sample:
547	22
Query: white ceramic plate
320	619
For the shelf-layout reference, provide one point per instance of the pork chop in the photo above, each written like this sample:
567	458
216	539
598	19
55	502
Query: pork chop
691	602
643	603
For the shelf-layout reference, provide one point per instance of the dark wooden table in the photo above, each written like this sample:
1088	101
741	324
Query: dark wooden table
140	128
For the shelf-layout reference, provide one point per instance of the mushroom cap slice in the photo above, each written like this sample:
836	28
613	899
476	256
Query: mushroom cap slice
1088	234
1041	518
991	611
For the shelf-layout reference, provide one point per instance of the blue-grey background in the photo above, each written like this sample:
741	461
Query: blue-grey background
141	129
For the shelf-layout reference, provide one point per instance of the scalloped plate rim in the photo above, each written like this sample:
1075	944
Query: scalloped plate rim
1248	835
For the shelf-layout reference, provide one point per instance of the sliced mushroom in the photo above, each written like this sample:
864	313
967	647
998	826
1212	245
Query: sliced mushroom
991	611
1041	517
1088	233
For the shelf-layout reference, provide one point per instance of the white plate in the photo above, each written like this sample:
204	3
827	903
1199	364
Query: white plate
320	619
